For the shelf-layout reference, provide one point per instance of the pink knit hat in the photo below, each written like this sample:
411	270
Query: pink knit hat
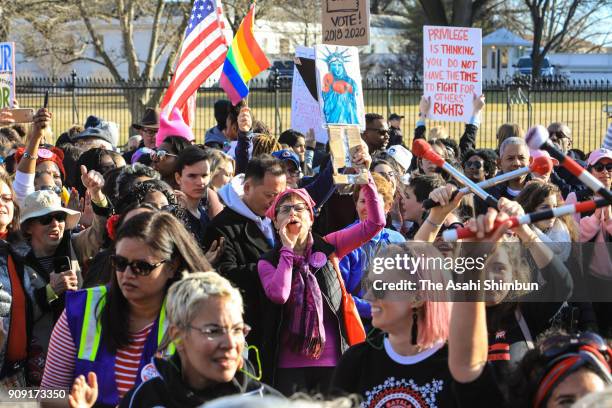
300	192
173	127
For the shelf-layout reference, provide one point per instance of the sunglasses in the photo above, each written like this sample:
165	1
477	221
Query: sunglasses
286	209
381	132
141	268
561	344
475	164
599	167
451	226
47	219
161	154
387	174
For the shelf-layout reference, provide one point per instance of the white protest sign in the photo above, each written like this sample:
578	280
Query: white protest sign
305	110
7	74
345	22
452	71
339	85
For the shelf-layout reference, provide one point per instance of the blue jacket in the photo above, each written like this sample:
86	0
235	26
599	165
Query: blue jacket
354	265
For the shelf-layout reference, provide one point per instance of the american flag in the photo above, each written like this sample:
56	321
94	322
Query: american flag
202	53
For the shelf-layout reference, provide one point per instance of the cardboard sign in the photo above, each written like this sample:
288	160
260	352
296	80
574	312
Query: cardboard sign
7	74
339	85
346	22
344	140
452	71
305	110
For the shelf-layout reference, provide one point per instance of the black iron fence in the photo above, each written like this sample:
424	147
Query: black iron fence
580	104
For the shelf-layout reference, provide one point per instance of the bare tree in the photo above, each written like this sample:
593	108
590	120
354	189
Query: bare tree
83	23
305	12
554	22
235	10
460	13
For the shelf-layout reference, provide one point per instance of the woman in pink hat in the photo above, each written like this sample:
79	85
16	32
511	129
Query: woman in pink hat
305	330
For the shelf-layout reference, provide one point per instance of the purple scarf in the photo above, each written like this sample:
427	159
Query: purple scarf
305	309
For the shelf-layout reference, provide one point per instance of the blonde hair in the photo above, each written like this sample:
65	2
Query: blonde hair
265	144
218	159
185	296
438	133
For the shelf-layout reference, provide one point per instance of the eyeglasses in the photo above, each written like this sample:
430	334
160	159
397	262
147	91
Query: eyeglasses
293	173
150	132
214	332
475	164
47	219
556	136
599	167
286	209
161	154
141	268
381	131
56	189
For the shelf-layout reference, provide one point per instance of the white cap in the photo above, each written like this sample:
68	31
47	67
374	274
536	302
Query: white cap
401	155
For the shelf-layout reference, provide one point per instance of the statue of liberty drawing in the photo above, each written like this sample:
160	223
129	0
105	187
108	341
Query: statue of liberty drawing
339	91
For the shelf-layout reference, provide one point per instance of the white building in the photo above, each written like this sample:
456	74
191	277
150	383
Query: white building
277	39
502	49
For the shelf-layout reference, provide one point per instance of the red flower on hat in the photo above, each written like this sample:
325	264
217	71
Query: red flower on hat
111	226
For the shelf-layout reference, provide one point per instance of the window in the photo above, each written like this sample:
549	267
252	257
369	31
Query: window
493	59
484	60
504	58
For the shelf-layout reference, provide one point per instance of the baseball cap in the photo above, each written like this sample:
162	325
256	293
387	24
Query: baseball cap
286	154
597	155
401	155
395	116
543	153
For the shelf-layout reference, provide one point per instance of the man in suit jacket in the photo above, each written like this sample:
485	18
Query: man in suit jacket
248	234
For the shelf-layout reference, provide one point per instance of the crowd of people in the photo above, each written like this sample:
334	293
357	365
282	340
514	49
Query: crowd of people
171	273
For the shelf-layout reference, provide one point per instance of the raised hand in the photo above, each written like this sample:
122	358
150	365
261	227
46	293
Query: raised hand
424	105
478	103
93	181
245	120
84	393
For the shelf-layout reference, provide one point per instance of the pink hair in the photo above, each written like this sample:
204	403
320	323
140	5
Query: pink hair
433	323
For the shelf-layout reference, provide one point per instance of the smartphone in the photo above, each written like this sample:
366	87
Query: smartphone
23	115
61	264
46	102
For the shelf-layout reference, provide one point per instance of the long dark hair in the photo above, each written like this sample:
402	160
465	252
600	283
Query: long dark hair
166	236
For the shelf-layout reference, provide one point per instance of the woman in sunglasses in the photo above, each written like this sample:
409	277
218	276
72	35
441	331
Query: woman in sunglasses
306	328
479	165
114	331
596	230
164	158
15	293
205	315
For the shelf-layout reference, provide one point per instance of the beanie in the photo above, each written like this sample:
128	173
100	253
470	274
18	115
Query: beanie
173	126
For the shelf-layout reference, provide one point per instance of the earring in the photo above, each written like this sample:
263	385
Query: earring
415	329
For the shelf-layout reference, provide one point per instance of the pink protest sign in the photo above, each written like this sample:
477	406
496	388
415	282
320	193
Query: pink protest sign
452	70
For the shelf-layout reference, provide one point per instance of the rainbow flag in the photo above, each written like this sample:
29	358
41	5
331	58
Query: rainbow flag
244	60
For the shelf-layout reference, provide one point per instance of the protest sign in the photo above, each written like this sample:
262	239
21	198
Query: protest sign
346	22
305	110
339	85
344	142
7	74
452	71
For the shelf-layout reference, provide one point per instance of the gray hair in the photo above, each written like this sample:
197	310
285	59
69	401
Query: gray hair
511	141
184	296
